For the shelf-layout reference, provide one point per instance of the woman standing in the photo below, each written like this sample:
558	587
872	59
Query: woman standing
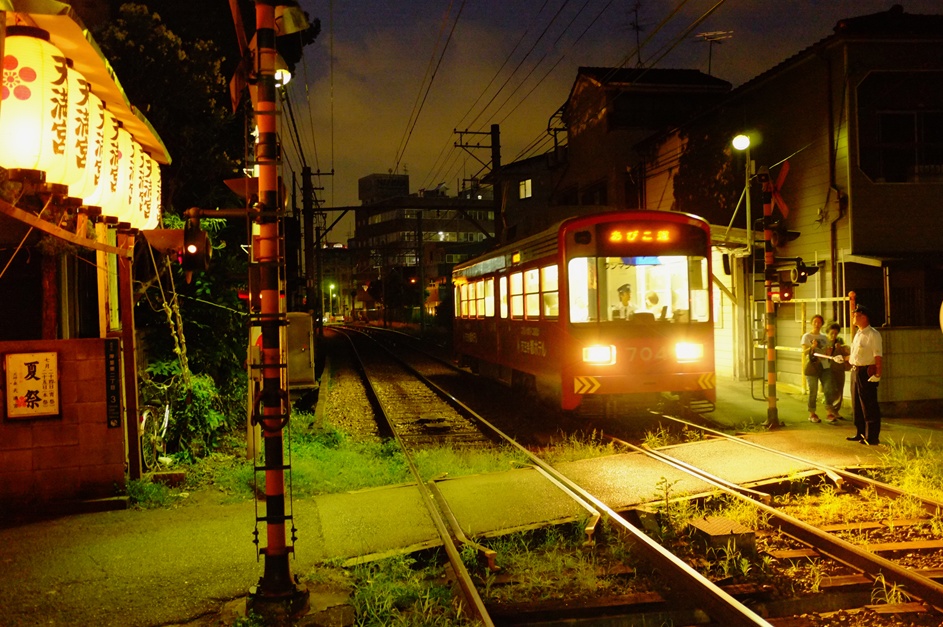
835	384
815	368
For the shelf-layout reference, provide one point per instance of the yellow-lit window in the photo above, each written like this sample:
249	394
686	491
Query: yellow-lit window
525	188
464	299
550	292
532	293
480	297
489	298
582	286
472	300
503	296
517	295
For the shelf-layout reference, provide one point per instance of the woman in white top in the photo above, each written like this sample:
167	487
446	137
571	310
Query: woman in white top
815	368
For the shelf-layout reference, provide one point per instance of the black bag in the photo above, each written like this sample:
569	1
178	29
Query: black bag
813	368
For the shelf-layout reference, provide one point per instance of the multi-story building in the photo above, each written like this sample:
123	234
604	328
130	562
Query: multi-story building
395	230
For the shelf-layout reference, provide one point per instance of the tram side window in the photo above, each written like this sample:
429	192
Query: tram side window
503	296
461	302
583	286
700	284
532	293
489	298
480	296
517	295
472	301
550	291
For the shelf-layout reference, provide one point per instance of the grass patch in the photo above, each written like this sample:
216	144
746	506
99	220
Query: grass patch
403	591
459	462
556	563
576	446
145	494
916	469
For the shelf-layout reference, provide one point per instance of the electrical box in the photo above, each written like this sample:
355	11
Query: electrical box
300	345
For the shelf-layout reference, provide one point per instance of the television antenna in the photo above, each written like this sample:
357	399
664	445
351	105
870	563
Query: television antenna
713	37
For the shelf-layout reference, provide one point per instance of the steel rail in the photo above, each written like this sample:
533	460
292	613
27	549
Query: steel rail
722	607
840	550
931	506
465	582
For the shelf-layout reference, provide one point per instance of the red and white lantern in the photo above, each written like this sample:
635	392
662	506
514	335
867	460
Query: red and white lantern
34	111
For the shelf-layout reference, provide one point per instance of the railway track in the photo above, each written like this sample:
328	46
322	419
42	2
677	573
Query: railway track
865	565
868	562
688	586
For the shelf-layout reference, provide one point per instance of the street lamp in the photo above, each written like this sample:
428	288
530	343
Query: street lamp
742	143
332	301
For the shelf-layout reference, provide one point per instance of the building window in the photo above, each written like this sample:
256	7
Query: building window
900	122
526	189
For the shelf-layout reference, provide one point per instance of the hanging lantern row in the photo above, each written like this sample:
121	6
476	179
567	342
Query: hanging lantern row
51	121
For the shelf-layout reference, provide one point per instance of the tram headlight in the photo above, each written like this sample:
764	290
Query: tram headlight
689	351
599	355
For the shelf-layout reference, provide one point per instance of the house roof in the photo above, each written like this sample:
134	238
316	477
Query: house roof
650	76
890	24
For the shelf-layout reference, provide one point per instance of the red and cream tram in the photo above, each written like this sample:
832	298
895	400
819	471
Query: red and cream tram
597	311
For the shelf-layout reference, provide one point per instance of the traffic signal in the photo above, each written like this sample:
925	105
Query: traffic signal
196	253
802	272
787	287
779	234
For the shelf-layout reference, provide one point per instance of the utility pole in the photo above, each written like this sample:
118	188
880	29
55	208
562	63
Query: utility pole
772	412
498	189
276	597
420	275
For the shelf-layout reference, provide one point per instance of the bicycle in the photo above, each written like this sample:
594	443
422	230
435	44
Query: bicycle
152	431
153	420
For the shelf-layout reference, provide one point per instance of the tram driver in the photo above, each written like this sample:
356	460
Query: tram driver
624	310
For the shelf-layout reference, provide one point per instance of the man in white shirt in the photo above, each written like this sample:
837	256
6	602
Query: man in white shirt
624	309
867	355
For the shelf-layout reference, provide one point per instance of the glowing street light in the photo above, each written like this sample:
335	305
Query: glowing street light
742	143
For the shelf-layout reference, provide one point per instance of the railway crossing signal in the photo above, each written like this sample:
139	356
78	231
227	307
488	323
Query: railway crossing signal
196	251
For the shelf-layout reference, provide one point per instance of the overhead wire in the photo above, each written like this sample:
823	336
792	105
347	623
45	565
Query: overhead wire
436	168
579	38
425	95
507	80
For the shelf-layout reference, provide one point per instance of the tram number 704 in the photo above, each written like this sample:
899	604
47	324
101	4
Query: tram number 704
645	353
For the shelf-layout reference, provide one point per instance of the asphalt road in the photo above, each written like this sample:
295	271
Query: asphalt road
123	568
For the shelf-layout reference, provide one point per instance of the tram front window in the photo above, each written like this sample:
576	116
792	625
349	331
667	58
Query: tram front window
639	289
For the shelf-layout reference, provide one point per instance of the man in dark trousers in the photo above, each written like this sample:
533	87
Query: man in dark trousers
867	353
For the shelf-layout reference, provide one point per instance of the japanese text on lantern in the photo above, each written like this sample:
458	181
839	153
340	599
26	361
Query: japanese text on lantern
32	385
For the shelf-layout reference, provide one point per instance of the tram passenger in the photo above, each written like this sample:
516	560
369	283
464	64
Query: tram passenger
624	310
867	356
815	370
836	348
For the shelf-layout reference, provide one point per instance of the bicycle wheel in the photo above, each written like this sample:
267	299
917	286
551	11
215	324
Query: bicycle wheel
152	444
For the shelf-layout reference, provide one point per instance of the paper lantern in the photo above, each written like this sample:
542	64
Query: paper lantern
77	128
106	185
142	187
34	112
93	131
152	211
118	204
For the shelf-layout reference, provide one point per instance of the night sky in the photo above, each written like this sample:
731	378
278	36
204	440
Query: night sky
521	57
